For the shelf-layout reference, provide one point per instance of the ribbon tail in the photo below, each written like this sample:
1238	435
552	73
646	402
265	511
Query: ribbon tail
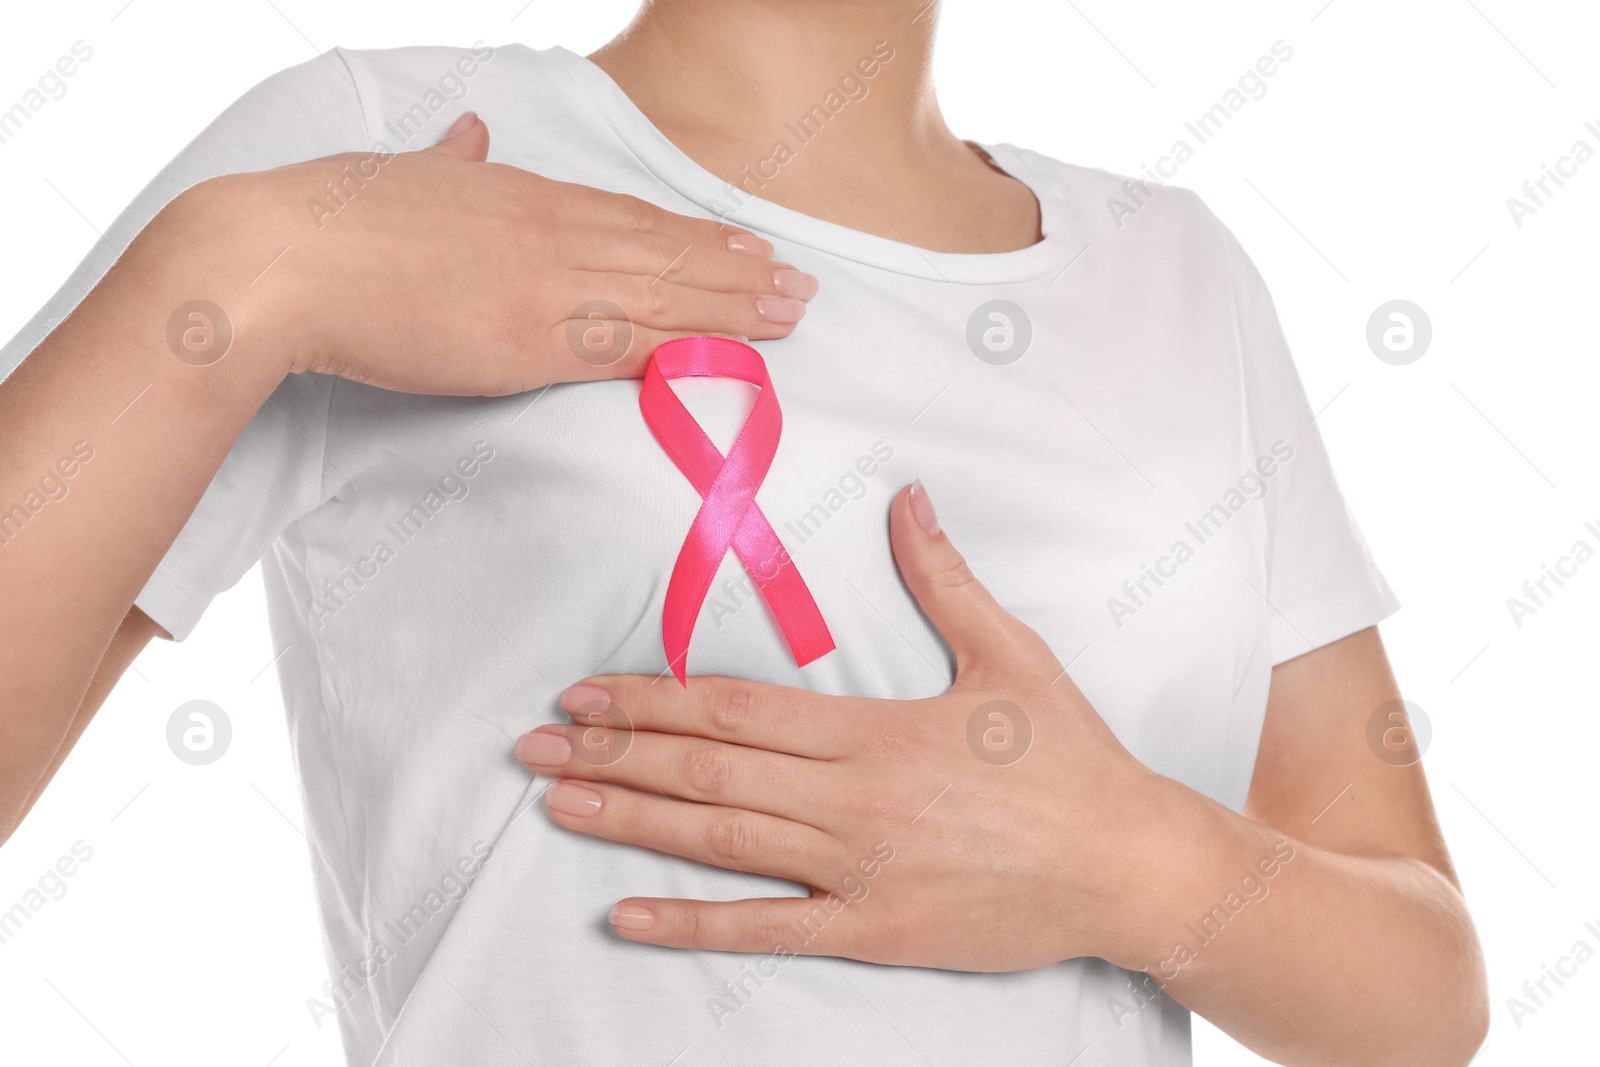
678	618
692	575
793	607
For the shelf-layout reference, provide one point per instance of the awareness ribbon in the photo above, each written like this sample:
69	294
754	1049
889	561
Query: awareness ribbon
729	516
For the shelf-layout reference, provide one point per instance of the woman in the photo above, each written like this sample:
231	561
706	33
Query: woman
1125	776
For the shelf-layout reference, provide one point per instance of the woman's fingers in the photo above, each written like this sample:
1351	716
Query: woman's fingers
665	305
673	272
582	205
752	714
977	628
712	772
657	256
780	927
467	140
736	840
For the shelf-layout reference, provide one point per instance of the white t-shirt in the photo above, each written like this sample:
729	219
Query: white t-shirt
1123	451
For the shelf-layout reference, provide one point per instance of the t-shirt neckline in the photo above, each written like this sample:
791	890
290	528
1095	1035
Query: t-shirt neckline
677	170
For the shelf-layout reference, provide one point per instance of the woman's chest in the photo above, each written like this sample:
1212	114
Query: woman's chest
533	536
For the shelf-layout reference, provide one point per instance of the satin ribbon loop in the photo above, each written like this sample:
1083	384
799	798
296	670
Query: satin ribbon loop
729	516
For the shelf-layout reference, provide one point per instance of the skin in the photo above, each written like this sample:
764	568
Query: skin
1363	944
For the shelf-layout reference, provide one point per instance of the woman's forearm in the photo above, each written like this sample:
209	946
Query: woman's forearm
1306	955
107	441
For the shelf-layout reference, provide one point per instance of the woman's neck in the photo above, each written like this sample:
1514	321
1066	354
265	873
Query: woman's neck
824	106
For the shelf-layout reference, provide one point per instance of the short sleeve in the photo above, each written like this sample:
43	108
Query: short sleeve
1322	583
274	472
271	477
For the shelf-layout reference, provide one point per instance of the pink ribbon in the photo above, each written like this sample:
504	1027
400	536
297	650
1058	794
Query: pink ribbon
729	516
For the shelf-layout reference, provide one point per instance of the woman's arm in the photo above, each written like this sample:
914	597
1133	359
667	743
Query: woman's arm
136	631
103	409
1358	948
448	275
1341	935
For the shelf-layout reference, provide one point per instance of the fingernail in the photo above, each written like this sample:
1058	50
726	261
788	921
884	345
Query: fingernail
795	283
570	798
632	917
749	244
544	750
780	309
922	508
462	125
583	701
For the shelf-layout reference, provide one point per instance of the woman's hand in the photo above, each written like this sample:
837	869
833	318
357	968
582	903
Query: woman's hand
1001	826
436	272
982	829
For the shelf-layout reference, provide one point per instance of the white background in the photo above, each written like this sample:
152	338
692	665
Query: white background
1377	167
